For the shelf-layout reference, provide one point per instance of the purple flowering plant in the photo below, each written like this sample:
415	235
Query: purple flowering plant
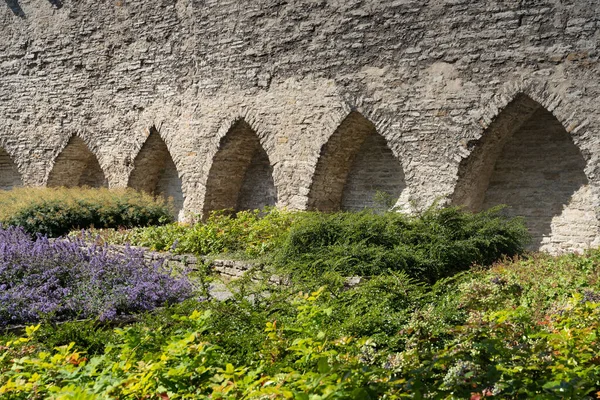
69	279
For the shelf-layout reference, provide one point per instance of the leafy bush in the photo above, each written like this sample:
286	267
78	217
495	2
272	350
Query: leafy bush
187	366
61	280
425	325
254	233
510	353
248	233
505	354
429	246
56	211
435	244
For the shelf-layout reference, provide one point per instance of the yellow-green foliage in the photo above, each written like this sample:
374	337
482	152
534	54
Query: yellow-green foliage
56	211
428	246
189	367
253	233
504	354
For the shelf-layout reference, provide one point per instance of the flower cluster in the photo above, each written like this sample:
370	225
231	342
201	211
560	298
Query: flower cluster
67	279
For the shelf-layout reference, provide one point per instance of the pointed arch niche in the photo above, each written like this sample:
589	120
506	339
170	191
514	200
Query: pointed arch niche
241	175
354	165
76	165
154	172
9	176
528	161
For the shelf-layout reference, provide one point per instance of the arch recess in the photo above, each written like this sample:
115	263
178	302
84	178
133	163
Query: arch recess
527	160
354	165
76	165
241	175
155	172
9	175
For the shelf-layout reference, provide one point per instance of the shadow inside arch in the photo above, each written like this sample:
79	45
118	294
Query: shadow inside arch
56	3
9	175
527	160
76	165
17	10
354	168
155	172
241	174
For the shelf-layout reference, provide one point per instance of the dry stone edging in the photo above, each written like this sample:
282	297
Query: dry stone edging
226	268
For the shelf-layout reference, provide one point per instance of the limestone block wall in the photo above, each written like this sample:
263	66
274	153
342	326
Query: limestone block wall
155	172
9	176
240	176
375	171
451	87
76	165
258	189
539	175
527	161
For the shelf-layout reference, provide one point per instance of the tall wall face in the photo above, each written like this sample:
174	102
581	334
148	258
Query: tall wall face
431	76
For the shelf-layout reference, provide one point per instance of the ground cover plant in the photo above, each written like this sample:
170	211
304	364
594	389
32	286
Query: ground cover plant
57	211
61	280
427	246
456	319
249	234
524	328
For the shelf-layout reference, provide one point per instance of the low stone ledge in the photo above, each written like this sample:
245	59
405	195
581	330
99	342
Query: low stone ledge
227	268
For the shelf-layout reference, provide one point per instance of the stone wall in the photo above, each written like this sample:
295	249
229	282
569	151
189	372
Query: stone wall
539	155
258	189
230	269
154	171
226	269
375	171
439	81
527	161
76	165
240	176
9	175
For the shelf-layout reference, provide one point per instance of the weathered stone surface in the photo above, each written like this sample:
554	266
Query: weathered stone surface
154	171
226	268
434	79
353	166
9	175
241	176
374	170
76	165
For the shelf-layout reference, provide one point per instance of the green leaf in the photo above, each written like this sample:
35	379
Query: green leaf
323	365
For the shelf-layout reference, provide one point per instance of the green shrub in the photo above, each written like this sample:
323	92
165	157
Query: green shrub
56	211
254	233
186	365
91	336
429	246
505	353
510	353
438	243
248	233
